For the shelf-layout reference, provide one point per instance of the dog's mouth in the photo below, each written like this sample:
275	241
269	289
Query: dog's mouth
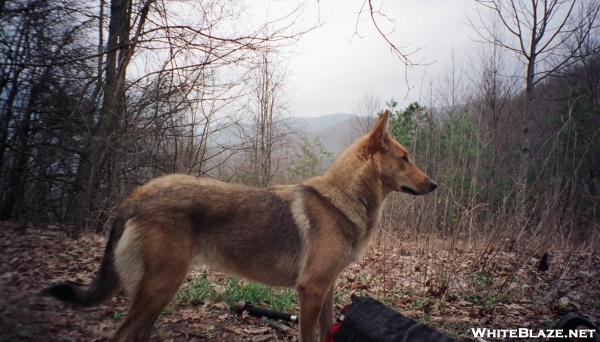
409	190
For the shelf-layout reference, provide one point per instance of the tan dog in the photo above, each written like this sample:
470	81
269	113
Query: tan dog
299	236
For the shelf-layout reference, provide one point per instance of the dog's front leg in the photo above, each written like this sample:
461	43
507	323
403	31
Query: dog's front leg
311	297
326	316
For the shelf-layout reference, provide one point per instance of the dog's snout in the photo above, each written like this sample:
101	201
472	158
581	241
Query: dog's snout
433	185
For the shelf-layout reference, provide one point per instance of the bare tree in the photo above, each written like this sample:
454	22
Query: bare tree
39	96
79	126
267	132
120	48
493	88
491	99
366	110
548	36
451	94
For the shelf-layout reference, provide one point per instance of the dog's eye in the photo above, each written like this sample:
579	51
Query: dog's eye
405	158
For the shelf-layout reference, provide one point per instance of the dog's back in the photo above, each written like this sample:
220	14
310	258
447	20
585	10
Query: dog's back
238	229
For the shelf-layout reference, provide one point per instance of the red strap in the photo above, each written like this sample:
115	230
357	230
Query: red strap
332	331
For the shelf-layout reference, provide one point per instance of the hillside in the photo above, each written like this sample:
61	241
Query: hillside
334	131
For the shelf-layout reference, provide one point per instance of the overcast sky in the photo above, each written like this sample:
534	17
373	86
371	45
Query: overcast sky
332	68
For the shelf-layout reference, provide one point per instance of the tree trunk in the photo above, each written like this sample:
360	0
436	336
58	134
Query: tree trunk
12	206
526	122
525	152
105	132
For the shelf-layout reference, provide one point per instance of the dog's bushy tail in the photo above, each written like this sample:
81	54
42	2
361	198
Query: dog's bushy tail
104	285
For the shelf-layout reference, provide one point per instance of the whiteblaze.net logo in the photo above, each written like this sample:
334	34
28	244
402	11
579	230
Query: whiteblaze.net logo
532	333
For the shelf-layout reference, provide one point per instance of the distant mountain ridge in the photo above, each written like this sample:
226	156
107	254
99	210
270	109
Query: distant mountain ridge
334	131
315	123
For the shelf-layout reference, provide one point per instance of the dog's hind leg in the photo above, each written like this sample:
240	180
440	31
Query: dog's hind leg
166	258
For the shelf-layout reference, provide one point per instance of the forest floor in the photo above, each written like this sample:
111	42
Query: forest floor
451	286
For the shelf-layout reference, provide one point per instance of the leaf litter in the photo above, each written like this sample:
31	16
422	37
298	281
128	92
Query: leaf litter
444	287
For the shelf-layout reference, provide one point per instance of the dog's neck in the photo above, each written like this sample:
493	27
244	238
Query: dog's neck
352	184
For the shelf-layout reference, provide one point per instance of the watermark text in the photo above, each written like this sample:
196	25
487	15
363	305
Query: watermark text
532	333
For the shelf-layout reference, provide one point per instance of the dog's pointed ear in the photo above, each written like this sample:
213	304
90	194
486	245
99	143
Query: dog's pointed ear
378	135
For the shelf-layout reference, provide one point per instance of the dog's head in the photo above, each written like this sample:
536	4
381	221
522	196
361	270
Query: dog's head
393	163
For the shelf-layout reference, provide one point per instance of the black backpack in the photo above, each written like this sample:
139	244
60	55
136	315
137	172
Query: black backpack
368	320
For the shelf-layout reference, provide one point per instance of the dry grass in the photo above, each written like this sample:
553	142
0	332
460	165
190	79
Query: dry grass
455	284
